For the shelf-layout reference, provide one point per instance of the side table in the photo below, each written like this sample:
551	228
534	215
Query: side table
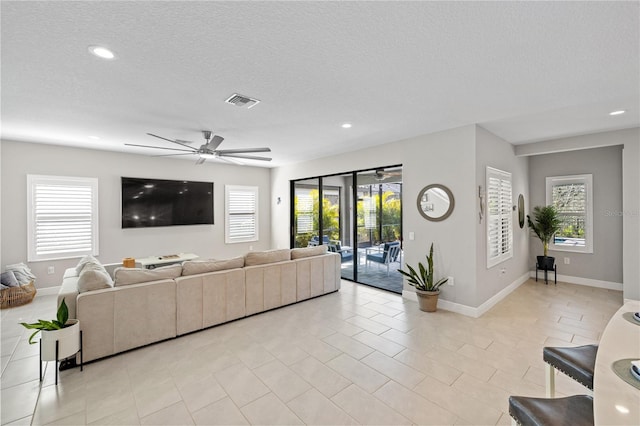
543	268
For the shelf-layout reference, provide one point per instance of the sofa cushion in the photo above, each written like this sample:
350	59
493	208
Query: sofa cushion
128	276
299	253
193	267
93	277
269	256
85	260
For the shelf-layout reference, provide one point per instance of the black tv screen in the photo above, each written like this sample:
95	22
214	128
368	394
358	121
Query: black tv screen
159	202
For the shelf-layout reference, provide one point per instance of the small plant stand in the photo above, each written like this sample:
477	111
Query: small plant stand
58	354
546	270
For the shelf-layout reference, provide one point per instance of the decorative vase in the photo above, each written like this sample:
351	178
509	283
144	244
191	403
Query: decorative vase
68	339
428	300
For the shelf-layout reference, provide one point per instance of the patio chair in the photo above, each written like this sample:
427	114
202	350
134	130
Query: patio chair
345	254
389	254
314	241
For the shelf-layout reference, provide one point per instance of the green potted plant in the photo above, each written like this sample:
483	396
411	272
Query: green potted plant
62	329
426	289
546	222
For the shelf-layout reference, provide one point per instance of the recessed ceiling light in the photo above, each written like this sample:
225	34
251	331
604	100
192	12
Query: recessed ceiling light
620	111
346	126
101	52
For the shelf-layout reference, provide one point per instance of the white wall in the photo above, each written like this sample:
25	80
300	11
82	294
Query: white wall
447	158
497	153
19	159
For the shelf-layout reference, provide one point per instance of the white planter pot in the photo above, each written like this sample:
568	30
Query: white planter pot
68	341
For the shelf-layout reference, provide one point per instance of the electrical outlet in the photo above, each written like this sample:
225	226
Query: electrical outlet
250	248
51	270
412	236
450	281
567	260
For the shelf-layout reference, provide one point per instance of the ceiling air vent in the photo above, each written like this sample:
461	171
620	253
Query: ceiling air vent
242	101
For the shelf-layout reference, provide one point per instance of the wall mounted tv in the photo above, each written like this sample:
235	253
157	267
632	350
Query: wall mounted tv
159	202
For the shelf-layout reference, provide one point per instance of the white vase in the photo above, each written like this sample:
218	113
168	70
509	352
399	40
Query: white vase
68	341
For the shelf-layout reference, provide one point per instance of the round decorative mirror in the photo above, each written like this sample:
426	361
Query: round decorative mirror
435	202
521	211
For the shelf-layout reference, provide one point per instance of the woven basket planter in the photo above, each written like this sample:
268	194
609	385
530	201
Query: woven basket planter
17	296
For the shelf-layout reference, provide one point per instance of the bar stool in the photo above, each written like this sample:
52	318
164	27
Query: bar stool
569	411
577	362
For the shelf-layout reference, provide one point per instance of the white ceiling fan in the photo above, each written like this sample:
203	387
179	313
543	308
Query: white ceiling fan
208	150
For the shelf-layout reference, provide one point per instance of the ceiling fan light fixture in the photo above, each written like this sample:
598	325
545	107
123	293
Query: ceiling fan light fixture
207	156
102	52
618	112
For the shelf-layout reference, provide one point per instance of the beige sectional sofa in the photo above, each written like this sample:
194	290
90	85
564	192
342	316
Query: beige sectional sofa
201	294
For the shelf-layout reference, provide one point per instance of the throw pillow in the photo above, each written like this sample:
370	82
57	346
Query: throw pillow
193	267
269	256
8	279
22	272
93	277
87	259
299	253
128	276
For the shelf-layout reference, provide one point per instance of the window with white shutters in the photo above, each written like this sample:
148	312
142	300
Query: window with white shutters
241	222
499	217
63	217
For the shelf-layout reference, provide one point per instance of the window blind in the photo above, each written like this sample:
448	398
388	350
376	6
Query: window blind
499	217
63	217
242	213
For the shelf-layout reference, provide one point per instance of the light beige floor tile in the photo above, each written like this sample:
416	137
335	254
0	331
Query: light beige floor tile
320	350
413	406
72	420
154	398
241	384
199	391
428	366
321	377
492	395
269	410
367	409
412	342
394	323
25	421
128	416
223	412
463	405
475	367
103	402
254	356
367	324
21	371
282	381
176	414
286	351
382	308
378	343
313	408
56	403
348	345
360	374
394	369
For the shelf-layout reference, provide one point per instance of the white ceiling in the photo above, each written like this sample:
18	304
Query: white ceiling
526	71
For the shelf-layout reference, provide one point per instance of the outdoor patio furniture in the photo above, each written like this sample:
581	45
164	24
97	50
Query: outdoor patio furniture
346	254
390	253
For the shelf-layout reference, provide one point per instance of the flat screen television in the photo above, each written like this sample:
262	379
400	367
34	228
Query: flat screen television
160	202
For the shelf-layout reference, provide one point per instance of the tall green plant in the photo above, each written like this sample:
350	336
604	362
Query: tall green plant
546	222
57	324
424	279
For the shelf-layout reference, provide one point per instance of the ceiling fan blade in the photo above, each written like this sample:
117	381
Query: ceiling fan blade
214	142
242	150
200	160
248	157
159	147
172	141
173	155
230	160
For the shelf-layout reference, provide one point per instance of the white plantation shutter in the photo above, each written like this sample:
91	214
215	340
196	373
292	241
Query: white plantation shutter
63	217
499	217
305	214
242	213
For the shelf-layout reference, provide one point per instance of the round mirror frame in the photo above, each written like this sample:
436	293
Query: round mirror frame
451	202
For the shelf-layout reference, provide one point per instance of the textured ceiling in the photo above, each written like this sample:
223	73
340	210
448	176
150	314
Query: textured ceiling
526	71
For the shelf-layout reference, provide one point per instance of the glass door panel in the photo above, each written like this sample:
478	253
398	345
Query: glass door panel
306	213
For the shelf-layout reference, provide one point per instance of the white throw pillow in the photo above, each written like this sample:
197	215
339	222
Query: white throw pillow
93	277
22	272
87	259
128	276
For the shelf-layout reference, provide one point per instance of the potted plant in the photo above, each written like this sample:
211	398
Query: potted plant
546	222
426	289
62	329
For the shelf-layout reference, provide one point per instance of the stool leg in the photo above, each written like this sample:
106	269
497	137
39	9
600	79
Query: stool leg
550	382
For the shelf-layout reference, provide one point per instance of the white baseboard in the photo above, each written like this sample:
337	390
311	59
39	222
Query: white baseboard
47	291
609	285
469	310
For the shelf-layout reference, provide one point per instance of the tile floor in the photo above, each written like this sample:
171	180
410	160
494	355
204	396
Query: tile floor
359	356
